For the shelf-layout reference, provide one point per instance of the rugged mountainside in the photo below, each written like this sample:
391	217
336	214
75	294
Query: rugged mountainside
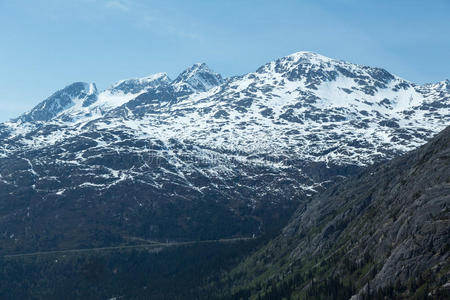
201	156
383	233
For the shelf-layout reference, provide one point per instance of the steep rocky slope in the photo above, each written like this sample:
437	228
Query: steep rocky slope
383	233
200	156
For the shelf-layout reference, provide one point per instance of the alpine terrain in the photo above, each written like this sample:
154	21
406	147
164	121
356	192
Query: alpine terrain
203	157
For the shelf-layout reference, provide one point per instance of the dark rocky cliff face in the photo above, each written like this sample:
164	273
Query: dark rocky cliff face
384	233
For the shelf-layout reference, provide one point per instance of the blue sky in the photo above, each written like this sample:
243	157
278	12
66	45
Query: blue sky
46	45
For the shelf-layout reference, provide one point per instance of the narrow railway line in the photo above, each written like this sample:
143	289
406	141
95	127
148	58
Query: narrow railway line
148	245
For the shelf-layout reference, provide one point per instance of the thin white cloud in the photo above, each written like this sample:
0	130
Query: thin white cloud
118	5
162	26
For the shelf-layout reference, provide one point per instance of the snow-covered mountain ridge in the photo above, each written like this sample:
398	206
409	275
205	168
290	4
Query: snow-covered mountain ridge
302	92
239	143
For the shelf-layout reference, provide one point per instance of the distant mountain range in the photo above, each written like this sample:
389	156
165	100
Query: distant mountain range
200	156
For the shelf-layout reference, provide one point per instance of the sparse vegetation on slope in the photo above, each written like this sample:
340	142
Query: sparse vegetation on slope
384	234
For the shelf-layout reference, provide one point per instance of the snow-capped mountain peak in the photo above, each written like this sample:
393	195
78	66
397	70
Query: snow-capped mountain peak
198	78
441	85
308	56
76	93
136	85
314	69
120	93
